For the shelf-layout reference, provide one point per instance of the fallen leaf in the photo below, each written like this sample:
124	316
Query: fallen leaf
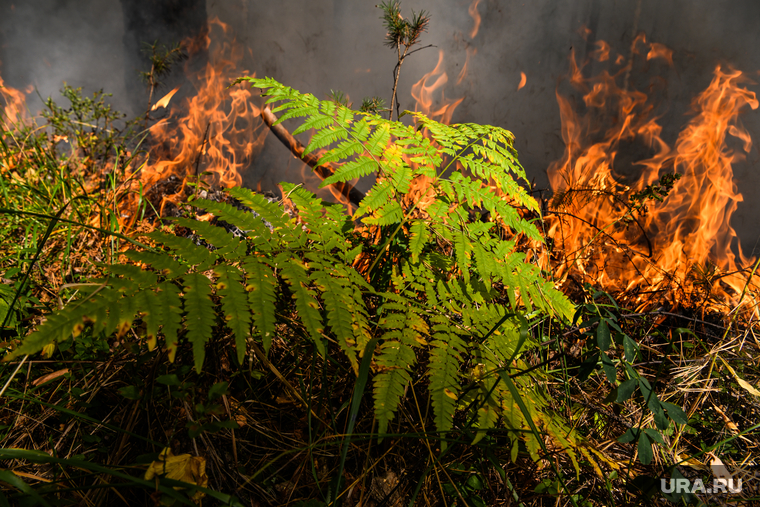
743	383
50	376
185	468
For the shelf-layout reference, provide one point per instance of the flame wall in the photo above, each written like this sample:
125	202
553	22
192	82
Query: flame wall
318	46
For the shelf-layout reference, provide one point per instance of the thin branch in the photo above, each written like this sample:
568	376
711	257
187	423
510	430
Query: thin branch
348	191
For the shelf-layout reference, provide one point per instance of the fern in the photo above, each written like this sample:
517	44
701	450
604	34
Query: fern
438	289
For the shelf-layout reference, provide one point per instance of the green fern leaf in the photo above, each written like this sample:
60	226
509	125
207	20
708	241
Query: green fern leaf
445	358
343	151
161	262
261	297
149	307
235	305
66	323
390	385
225	242
307	305
418	237
199	315
336	293
169	312
362	166
404	329
315	121
245	221
325	137
184	248
270	211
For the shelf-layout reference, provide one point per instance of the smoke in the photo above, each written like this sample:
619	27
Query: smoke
319	46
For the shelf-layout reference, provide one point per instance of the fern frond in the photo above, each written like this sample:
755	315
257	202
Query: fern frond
184	248
445	359
362	166
244	221
261	298
294	272
199	314
418	237
404	328
271	212
235	305
223	241
68	322
324	138
335	290
161	262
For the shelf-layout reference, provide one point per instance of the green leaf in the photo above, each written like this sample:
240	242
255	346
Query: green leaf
609	368
645	449
235	305
169	380
631	348
307	305
603	336
199	315
261	297
445	359
168	311
629	436
675	412
130	392
217	390
654	435
625	390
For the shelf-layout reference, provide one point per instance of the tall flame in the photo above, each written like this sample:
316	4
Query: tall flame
425	90
13	104
218	130
683	245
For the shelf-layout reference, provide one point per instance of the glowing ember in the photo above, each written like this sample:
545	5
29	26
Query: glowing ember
682	247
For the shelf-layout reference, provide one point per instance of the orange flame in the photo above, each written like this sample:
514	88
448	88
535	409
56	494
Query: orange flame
670	249
220	131
603	53
523	80
13	104
463	73
473	11
164	101
423	92
657	50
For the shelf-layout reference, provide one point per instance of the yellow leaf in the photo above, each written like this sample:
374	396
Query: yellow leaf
47	350
450	394
743	383
185	468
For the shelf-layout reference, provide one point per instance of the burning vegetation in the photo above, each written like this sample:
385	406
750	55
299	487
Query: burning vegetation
220	340
663	237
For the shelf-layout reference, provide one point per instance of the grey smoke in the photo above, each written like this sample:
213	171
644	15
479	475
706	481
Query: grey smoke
316	46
